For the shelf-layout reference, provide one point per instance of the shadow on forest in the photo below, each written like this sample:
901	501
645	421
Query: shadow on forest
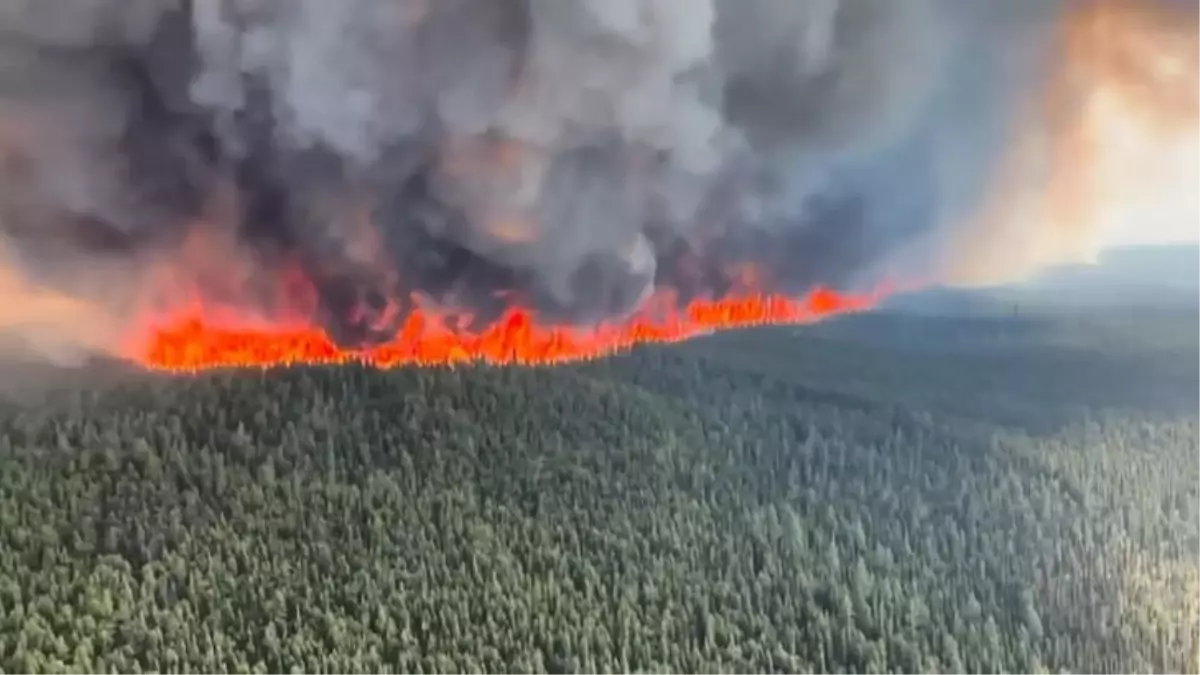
1036	374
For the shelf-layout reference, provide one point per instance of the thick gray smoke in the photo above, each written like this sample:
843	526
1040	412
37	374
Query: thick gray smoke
570	155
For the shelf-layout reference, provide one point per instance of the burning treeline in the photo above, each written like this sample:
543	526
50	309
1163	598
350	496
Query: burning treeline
224	182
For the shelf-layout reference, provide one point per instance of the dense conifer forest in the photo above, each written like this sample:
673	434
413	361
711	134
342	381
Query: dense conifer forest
882	493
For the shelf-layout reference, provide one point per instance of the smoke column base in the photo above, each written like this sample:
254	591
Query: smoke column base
190	342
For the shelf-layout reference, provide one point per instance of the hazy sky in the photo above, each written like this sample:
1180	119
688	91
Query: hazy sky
1151	195
1134	236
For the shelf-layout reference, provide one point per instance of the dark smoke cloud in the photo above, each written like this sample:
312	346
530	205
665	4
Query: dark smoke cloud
570	155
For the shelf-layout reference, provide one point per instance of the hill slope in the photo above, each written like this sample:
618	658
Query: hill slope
887	492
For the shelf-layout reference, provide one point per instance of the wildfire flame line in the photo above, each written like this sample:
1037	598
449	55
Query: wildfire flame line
191	341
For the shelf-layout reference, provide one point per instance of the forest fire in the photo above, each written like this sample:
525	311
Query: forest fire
192	340
403	182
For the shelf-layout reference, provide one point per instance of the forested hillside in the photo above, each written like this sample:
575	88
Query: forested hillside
886	492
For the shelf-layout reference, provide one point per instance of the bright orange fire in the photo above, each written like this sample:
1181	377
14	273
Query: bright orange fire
194	340
181	328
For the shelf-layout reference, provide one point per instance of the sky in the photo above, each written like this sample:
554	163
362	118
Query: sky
1134	236
1160	195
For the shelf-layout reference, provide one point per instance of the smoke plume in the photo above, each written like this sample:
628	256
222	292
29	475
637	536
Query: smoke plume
1106	149
340	162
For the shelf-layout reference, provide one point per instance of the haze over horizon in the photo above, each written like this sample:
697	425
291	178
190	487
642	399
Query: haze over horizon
1147	276
1181	232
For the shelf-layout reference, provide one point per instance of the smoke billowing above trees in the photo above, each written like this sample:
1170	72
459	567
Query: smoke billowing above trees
567	156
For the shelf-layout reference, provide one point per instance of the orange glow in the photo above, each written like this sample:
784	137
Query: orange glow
1108	151
1131	149
185	329
198	339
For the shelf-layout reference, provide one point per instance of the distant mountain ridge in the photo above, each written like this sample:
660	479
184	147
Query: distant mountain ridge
1143	276
1144	267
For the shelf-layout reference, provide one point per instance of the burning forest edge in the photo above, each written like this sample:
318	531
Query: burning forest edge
191	342
210	183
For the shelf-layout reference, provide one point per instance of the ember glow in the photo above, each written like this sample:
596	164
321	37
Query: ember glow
192	340
204	333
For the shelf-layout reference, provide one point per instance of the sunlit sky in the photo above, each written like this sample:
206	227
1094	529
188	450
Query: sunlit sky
1150	192
1145	122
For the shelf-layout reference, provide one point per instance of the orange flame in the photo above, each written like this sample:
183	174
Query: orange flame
196	339
185	330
